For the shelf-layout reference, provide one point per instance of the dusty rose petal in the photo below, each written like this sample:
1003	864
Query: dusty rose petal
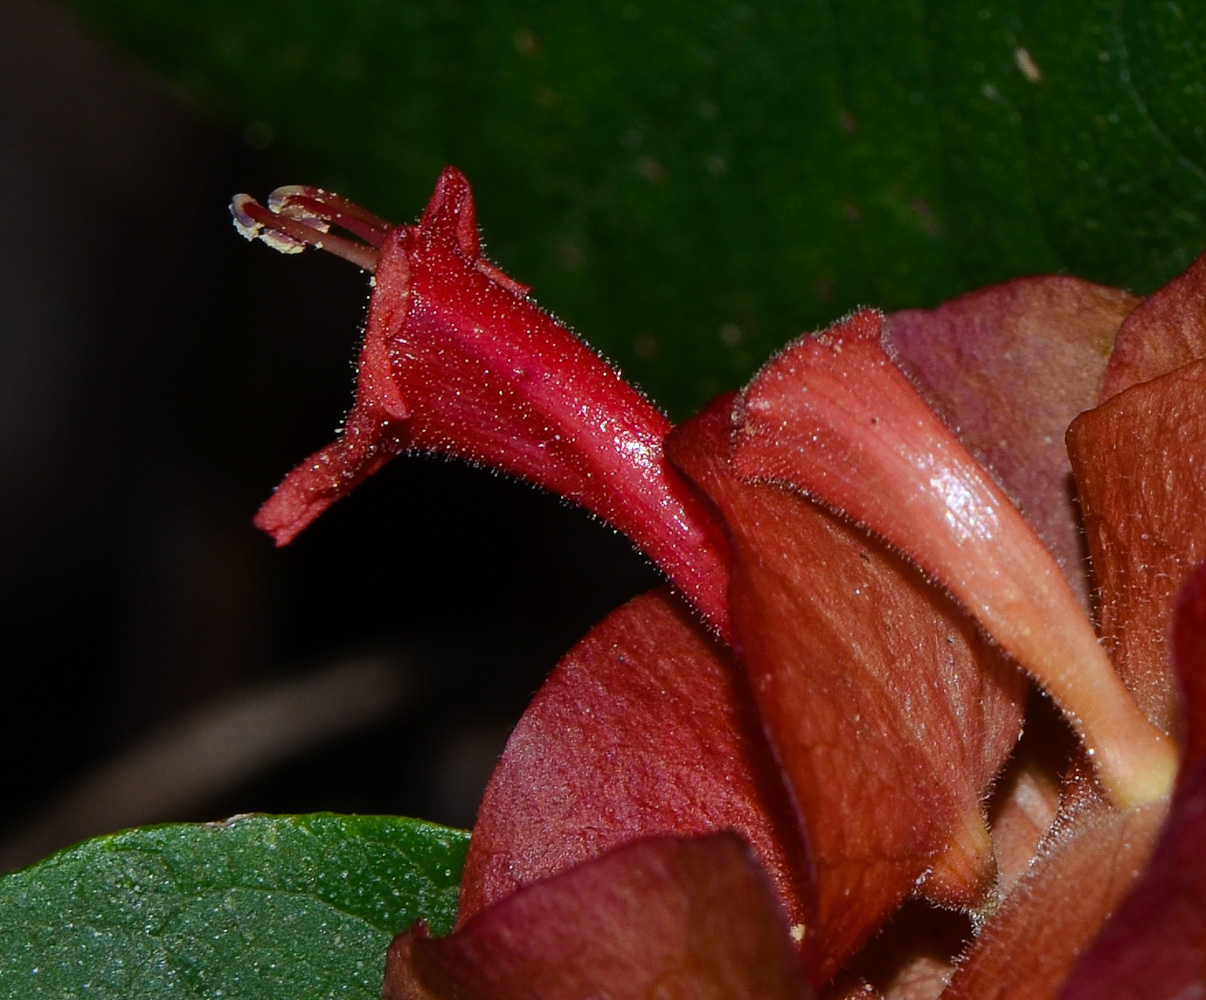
833	417
1166	332
1031	944
1154	948
660	919
645	727
890	715
1008	367
457	360
1140	464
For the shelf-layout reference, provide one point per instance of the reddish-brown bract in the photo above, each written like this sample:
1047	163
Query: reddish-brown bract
1167	331
1143	512
645	727
1155	945
1031	944
889	714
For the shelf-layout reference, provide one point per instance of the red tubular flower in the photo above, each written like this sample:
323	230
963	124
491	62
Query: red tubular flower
859	526
456	359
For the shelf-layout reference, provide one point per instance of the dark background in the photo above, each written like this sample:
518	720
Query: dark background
158	375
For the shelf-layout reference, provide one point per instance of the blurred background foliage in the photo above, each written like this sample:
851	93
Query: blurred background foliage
687	184
691	182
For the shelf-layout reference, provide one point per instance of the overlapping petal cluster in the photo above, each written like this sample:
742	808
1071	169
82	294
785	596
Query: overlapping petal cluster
732	784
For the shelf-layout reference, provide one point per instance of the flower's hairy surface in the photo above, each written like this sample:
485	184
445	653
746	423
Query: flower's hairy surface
882	535
457	360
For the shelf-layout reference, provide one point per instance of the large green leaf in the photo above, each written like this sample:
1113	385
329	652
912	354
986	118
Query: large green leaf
257	907
691	182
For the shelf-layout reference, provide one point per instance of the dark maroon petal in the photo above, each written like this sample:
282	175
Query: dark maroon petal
1138	460
1166	332
1154	948
1030	945
457	360
661	919
1008	367
646	727
833	417
890	715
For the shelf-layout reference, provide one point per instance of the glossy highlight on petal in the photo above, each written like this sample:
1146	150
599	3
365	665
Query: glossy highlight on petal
833	417
1008	368
889	713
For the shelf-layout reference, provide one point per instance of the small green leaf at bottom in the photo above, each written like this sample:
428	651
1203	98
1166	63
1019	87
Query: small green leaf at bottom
271	907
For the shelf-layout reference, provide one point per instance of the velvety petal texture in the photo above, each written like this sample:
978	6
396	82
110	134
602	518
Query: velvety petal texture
1008	367
1154	948
889	714
1166	332
457	360
1140	464
1032	943
660	919
645	727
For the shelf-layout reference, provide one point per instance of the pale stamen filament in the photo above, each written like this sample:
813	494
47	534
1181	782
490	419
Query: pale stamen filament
301	217
304	202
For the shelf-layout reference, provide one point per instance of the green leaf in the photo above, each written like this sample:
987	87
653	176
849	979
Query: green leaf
692	182
258	906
